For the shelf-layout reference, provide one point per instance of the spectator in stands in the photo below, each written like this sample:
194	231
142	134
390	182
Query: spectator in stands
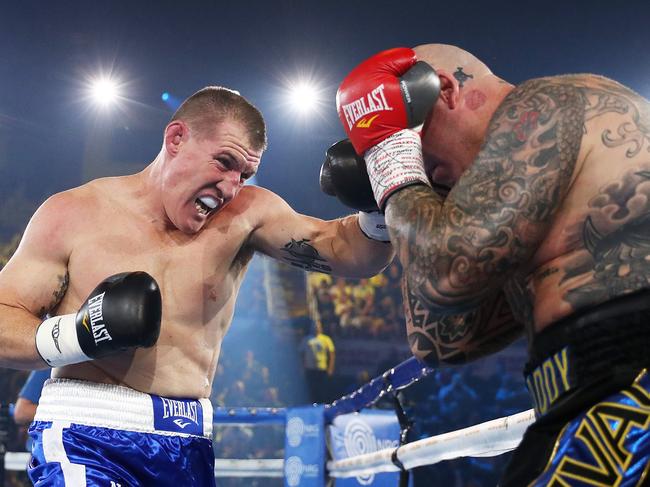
236	395
27	401
257	384
511	396
364	296
325	302
271	398
318	356
342	298
456	398
394	280
251	367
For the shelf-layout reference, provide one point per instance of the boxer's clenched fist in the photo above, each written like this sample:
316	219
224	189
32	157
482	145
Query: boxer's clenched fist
122	312
377	103
344	175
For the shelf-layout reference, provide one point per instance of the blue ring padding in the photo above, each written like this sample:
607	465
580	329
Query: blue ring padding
399	377
250	415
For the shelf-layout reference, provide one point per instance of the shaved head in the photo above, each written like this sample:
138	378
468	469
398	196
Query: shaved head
451	59
455	129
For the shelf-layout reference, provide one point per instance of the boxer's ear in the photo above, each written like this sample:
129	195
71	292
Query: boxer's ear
449	89
176	133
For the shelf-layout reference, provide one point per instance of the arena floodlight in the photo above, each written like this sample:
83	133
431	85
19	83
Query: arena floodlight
104	91
304	96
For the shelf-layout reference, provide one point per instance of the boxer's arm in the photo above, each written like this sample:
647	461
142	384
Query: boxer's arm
24	411
334	247
441	339
33	283
458	252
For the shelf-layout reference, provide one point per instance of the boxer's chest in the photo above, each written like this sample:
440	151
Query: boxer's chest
197	275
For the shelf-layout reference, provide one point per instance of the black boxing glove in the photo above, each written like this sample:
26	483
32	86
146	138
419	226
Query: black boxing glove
344	175
121	313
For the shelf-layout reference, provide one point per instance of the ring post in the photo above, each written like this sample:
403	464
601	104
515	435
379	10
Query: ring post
304	447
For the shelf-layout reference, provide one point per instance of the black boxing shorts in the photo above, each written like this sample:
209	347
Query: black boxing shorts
589	381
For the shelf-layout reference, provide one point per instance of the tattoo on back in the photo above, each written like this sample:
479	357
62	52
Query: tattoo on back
301	254
616	238
608	96
57	295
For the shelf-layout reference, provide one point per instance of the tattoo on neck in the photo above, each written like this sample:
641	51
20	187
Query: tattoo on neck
461	76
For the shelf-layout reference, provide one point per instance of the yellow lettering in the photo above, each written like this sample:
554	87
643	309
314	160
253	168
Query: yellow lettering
563	366
549	379
539	389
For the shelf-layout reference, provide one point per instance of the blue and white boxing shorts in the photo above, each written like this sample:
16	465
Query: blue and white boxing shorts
86	433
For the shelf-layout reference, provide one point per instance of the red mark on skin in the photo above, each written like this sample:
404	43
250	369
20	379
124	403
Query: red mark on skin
475	99
213	294
527	123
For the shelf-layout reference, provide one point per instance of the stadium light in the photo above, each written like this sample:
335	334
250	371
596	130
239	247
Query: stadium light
304	97
105	91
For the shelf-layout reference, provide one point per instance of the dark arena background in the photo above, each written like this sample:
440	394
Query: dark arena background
86	89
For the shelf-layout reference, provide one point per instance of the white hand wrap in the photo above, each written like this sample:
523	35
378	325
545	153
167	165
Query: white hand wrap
57	342
373	225
395	162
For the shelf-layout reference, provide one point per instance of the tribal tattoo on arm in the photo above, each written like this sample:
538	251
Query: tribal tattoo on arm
301	254
458	254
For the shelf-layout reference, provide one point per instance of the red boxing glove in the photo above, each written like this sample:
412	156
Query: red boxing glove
369	100
377	103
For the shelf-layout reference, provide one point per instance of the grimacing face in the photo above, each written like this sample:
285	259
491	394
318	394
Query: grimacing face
206	173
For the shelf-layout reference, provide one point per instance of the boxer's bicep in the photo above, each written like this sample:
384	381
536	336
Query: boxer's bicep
286	235
36	277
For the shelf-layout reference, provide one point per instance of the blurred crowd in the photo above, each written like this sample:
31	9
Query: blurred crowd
359	308
271	362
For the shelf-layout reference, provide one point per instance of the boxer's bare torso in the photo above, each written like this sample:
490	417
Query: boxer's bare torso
553	216
199	277
597	245
152	221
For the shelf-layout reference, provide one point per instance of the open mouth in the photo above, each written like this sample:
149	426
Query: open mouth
205	205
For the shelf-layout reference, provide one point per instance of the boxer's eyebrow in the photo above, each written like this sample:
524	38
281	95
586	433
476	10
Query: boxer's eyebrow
229	160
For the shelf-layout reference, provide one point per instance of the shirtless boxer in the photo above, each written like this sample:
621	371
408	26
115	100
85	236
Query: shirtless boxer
546	229
180	232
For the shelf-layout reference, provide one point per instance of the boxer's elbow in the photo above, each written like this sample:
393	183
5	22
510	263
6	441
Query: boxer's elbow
437	356
377	258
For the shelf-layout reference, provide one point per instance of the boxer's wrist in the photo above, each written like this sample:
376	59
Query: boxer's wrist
394	163
373	226
57	341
